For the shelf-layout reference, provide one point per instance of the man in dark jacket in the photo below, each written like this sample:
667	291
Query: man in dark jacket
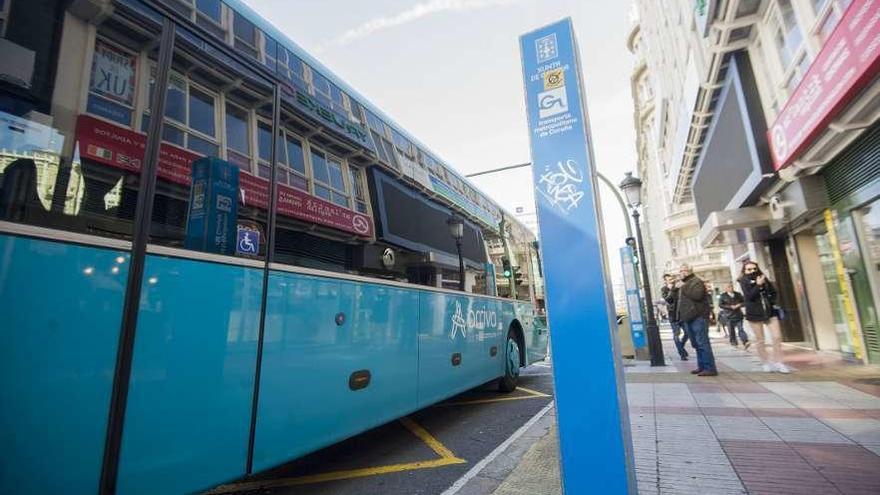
692	312
670	295
731	303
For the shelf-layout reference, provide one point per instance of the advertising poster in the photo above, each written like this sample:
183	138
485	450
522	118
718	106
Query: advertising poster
633	301
114	73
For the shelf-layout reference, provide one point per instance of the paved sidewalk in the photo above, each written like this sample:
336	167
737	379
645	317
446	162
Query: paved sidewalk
815	431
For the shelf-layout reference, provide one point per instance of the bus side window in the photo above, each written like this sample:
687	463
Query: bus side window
212	185
62	165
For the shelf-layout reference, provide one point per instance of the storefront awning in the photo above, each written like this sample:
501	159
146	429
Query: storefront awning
727	227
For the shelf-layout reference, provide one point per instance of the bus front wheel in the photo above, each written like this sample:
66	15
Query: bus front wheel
507	383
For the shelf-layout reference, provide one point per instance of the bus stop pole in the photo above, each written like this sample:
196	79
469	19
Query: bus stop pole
592	416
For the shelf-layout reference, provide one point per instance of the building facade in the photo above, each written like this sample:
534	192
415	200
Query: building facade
781	150
662	82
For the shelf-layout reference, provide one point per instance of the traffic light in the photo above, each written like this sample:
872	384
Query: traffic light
517	276
505	265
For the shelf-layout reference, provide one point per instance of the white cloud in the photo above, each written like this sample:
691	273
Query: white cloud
414	13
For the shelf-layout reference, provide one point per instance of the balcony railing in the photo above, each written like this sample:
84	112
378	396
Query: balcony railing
704	260
681	219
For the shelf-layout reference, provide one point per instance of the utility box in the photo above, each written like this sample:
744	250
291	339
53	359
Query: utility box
213	207
624	335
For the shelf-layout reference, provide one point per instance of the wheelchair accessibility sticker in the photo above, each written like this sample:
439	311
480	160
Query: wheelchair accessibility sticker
248	241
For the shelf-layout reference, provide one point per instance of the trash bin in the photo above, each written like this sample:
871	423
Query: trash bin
624	337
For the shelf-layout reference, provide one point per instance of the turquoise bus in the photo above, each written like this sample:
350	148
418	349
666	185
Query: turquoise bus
217	257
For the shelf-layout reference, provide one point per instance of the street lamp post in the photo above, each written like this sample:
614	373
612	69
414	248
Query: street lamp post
456	229
632	189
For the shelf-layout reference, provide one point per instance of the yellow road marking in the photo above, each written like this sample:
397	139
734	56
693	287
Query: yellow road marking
336	475
447	458
533	394
429	440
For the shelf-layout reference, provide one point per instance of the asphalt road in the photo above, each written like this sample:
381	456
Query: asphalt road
422	454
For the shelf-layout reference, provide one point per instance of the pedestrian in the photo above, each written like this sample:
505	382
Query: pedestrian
723	324
670	295
731	303
693	312
762	313
711	311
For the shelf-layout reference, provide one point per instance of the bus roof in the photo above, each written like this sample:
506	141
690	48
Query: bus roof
267	27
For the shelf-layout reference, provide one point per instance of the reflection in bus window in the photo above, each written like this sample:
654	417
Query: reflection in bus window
70	156
212	187
237	137
415	229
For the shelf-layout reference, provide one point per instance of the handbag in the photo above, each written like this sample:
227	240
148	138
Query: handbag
775	309
780	313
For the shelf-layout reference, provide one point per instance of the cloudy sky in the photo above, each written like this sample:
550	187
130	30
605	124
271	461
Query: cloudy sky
449	72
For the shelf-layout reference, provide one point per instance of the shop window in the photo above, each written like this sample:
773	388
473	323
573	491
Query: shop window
797	73
321	87
175	98
264	149
245	34
358	112
209	15
328	178
787	36
207	198
320	174
355	178
202	112
402	143
375	123
206	13
190	115
378	132
295	157
828	14
389	152
380	148
210	9
290	67
270	53
238	147
826	25
336	179
113	83
339	100
296	213
293	171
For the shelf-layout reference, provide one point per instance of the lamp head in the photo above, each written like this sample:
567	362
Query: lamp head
632	189
456	227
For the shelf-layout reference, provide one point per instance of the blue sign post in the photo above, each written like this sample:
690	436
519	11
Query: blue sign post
633	303
594	434
213	206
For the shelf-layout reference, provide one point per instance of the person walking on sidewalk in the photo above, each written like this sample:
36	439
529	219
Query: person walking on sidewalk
731	303
723	324
712	321
693	312
669	292
762	313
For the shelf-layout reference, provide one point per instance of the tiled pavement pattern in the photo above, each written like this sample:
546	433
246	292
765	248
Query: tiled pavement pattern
816	431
